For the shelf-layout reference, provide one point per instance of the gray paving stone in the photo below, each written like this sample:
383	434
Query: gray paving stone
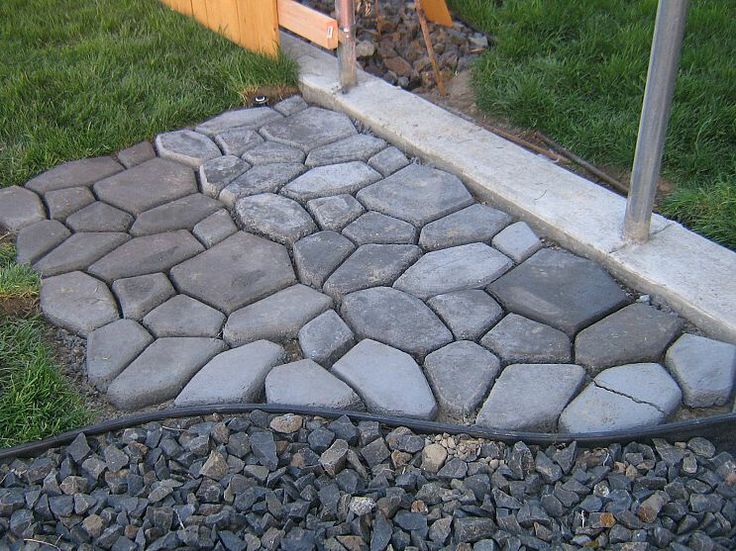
559	289
99	217
336	212
518	241
161	371
274	152
36	240
79	251
374	227
325	338
470	266
136	154
266	178
388	161
318	255
63	202
277	317
237	271
636	333
395	318
530	397
517	339
705	369
19	207
147	255
77	302
369	266
327	180
291	105
182	316
217	173
238	118
147	185
417	194
460	375
468	314
186	147
181	214
643	382
278	218
476	223
307	384
111	348
213	229
389	381
355	148
309	128
237	141
141	294
74	173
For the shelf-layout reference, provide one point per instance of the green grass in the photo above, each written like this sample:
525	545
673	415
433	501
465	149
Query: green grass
575	70
16	280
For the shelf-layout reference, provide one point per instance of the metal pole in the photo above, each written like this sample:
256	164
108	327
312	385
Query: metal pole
346	60
655	113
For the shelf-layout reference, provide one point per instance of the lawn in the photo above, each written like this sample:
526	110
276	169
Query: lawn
575	70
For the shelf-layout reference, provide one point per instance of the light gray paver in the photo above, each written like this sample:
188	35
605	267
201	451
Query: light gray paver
468	314
530	397
99	217
354	148
374	227
183	316
517	339
63	202
327	180
274	152
74	173
36	240
309	128
316	256
213	229
181	214
476	223
325	338
217	173
291	105
111	348
388	161
278	218
79	251
19	207
643	382
237	141
518	241
141	294
238	118
305	383
335	212
186	147
136	154
265	178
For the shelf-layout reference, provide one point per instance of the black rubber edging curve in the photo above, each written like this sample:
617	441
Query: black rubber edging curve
719	429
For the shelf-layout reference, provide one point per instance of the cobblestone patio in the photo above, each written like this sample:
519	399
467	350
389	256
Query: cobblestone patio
192	265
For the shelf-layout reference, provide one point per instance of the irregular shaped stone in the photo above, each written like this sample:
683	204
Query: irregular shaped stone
217	173
253	117
354	148
468	314
307	384
266	178
36	240
388	380
371	265
214	228
161	371
336	212
277	318
181	214
394	318
476	223
237	271
388	161
63	202
147	255
517	339
186	147
111	348
325	338
337	179
310	128
530	397
141	294
705	369
316	256
643	382
74	173
77	302
518	241
234	376
417	194
79	251
100	217
460	375
19	207
237	141
374	227
182	316
147	185
136	154
559	289
291	105
273	152
278	218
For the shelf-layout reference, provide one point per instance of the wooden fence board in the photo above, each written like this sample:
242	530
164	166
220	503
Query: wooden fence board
222	16
311	24
437	12
259	26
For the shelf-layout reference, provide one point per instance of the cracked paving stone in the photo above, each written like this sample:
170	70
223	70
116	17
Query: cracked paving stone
111	348
517	241
141	294
36	240
388	161
517	339
213	229
335	212
354	148
273	152
100	217
19	207
266	178
186	147
278	218
253	117
374	227
318	255
181	214
79	251
237	141
474	224
63	202
74	173
136	154
327	180
310	128
325	338
468	314
183	316
217	173
643	382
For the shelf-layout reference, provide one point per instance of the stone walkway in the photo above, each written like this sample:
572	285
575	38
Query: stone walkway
193	265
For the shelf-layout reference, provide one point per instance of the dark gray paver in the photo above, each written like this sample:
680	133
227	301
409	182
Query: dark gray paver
325	338
217	173
237	271
19	207
318	255
274	152
518	241
183	316
36	240
63	202
476	223
237	141
642	382
291	105
136	154
336	212
141	294
99	217
238	118
186	147
468	314
388	380
181	214
394	318
560	289
74	173
517	339
374	227
266	178
79	251
388	161
277	217
307	384
327	180
213	229
310	128
354	148
111	348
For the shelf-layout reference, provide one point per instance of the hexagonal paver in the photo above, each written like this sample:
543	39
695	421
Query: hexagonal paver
355	148
278	218
217	173
474	224
74	173
181	214
36	240
307	384
468	314
273	152
186	147
325	338
318	255
335	212
99	217
517	339
140	294
111	348
238	118
329	180
19	208
136	154
79	251
63	202
237	141
310	128
374	227
182	316
266	178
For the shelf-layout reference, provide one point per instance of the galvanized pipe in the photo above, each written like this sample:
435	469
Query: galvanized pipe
669	29
346	60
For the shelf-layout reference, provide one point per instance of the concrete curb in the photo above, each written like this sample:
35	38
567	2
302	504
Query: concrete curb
692	274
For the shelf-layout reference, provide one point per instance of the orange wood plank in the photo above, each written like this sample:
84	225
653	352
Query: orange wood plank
308	23
182	6
199	11
259	25
222	16
437	12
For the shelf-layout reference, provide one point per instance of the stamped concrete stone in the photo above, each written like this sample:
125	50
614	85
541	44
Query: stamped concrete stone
327	180
274	152
307	384
643	382
325	338
237	271
234	376
354	148
530	397
636	333
266	178
389	381
560	289
518	241
396	319
460	375
182	316
374	227
278	218
19	207
318	255
291	105
217	173
388	161
237	141
147	255
79	251
186	147
147	185
705	369
136	154
161	371
111	348
369	266
238	118
417	194
476	223
310	128
517	339
214	228
336	212
471	266
99	217
74	173
77	302
141	294
278	317
63	202
181	214
468	314
36	240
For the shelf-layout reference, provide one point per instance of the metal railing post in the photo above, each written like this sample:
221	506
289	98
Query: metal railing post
346	60
669	29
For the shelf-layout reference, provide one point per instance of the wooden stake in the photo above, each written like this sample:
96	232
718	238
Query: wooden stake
430	49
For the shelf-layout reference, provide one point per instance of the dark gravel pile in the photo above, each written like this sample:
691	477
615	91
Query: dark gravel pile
263	481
